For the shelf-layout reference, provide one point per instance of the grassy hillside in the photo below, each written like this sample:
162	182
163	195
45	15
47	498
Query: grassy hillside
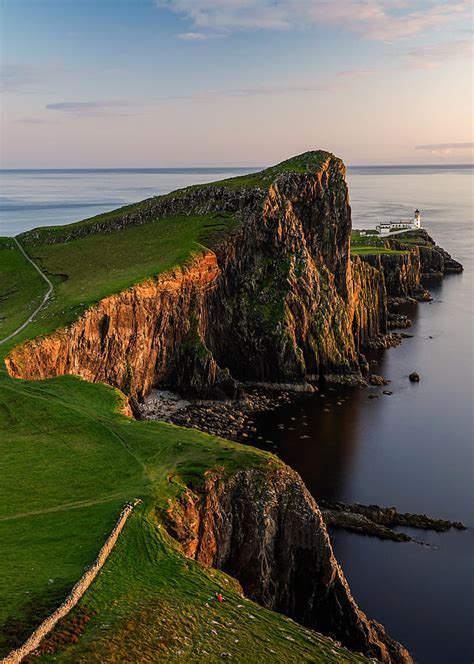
158	606
304	163
69	460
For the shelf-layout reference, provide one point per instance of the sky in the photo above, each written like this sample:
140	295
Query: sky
156	83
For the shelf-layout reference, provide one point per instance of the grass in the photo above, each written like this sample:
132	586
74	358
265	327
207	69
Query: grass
373	251
66	471
370	245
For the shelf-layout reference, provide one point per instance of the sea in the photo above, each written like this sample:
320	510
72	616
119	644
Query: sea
412	449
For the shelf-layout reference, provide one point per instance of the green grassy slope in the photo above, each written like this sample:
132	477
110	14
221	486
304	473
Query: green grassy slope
159	606
69	461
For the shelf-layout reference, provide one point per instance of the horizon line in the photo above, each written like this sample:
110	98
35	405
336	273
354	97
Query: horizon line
176	168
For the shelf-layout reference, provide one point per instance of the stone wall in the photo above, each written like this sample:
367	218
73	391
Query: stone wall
18	655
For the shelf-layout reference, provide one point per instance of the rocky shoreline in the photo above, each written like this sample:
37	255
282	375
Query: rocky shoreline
230	419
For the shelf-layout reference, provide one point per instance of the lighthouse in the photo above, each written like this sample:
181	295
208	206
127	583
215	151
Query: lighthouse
417	220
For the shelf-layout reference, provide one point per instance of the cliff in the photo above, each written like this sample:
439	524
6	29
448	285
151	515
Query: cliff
402	272
264	528
369	301
433	260
276	301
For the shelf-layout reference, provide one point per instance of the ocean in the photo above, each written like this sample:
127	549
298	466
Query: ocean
413	449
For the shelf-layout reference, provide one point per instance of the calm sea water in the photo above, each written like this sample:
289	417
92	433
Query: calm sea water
413	449
30	198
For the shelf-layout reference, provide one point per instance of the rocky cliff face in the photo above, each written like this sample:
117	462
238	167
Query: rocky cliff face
402	273
264	528
277	301
433	260
136	338
369	302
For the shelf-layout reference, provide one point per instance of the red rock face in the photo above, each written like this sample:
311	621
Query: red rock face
264	528
128	340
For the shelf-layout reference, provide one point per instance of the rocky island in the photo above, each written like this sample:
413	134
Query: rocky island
211	292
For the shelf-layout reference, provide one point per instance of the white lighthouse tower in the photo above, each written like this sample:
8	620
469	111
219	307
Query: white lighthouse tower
417	220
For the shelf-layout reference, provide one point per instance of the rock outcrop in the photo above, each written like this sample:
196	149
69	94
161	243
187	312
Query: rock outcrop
277	301
369	320
264	528
136	338
380	521
434	261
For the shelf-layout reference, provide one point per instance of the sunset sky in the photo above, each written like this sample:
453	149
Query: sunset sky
119	83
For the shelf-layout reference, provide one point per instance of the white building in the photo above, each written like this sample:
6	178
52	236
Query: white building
387	227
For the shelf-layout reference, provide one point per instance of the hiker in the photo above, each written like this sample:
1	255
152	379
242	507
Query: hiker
219	597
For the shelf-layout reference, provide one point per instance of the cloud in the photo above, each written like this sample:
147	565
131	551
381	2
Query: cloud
37	121
427	57
353	73
21	78
192	36
374	19
89	108
256	91
445	148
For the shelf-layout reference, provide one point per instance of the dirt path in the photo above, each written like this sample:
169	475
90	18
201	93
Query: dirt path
43	301
67	506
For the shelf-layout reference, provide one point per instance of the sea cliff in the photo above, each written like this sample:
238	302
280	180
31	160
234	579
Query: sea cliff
265	529
277	300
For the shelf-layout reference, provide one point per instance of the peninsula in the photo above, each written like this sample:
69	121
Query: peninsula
253	280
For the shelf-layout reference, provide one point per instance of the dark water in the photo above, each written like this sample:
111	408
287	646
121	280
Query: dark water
412	449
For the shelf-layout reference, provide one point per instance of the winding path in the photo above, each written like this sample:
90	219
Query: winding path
43	301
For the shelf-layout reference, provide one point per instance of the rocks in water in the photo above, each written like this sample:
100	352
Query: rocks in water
398	320
388	392
379	521
358	523
384	341
377	380
414	377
